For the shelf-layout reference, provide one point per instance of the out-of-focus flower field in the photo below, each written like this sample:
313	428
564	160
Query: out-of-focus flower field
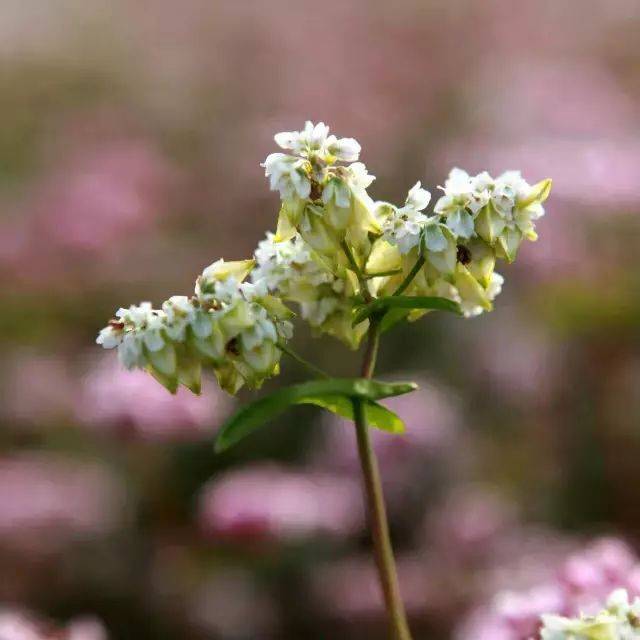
130	141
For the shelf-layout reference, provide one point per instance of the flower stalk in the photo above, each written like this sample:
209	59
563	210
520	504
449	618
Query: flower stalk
385	561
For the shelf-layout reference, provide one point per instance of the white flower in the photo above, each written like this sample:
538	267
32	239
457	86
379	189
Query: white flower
285	267
226	291
403	227
303	143
130	352
220	282
179	313
358	176
262	329
288	175
338	190
111	336
315	143
254	290
316	312
152	332
345	149
457	202
418	198
620	620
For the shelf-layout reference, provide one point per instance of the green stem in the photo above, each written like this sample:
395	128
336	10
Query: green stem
381	274
385	561
305	363
357	270
410	276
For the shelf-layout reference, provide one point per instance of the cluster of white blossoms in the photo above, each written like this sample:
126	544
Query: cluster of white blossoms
477	221
499	210
334	249
325	202
620	620
404	226
229	326
292	270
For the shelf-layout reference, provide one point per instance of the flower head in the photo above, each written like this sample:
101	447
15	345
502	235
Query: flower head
501	211
324	201
229	326
292	271
619	620
404	226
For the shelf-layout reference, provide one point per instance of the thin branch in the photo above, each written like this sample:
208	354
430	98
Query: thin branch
299	359
381	274
410	276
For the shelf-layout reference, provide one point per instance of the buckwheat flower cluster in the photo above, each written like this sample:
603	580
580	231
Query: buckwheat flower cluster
229	326
501	210
292	270
324	201
581	583
619	620
334	250
477	221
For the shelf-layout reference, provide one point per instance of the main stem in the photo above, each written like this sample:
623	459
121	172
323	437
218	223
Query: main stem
375	501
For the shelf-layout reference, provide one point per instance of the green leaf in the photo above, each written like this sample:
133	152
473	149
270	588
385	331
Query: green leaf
406	302
392	318
333	394
376	415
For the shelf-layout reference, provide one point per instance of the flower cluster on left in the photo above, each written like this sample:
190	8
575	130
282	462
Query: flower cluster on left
229	326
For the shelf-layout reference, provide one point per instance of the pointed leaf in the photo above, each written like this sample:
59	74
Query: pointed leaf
392	318
376	415
319	392
406	302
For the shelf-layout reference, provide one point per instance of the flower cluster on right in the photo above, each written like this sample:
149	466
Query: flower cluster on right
619	620
363	246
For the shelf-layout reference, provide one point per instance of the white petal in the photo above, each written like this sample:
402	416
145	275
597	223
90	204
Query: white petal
418	198
346	149
434	238
461	223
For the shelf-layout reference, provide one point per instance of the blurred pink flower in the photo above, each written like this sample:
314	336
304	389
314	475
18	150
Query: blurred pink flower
267	502
95	200
17	624
232	604
582	582
469	520
350	589
102	194
526	99
39	389
47	500
114	399
524	375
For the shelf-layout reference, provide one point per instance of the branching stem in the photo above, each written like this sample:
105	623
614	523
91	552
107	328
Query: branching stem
317	371
362	279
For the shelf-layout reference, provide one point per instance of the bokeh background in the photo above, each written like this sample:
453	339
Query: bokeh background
130	143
